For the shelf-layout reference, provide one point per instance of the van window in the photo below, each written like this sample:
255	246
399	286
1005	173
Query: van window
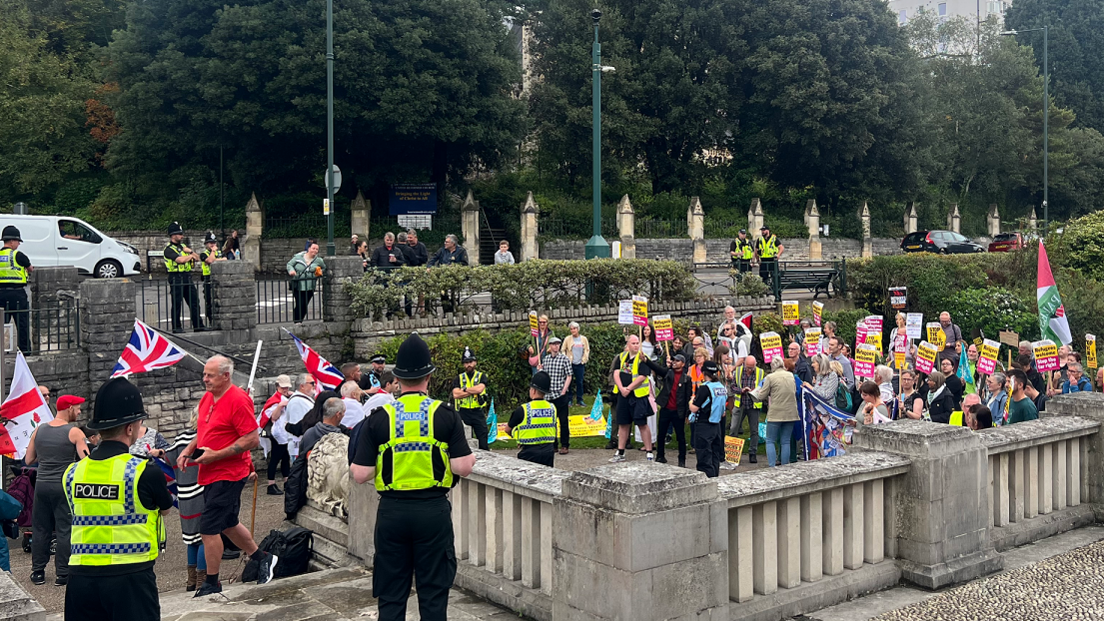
71	229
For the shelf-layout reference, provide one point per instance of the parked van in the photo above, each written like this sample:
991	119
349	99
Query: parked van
52	241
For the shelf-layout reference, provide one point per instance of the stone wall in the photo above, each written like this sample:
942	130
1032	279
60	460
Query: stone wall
717	249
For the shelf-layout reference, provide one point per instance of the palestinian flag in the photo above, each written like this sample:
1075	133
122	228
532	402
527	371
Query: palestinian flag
1052	315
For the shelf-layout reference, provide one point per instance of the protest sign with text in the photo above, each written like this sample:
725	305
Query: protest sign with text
1090	351
664	328
625	313
772	346
987	357
640	310
914	325
812	341
936	336
898	299
818	313
1046	356
734	448
865	357
534	329
791	313
925	357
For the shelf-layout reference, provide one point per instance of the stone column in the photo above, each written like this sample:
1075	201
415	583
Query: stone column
697	230
54	291
336	303
755	217
234	295
812	220
943	522
809	206
992	220
1033	221
626	227
469	226
106	320
868	240
362	503
605	561
911	218
529	213
361	213
954	219
1090	406
254	227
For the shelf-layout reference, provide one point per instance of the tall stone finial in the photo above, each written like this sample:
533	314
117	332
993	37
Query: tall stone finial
868	241
992	220
252	205
755	216
529	211
1033	220
911	218
954	219
810	207
469	203
469	227
626	227
812	221
697	229
360	215
254	228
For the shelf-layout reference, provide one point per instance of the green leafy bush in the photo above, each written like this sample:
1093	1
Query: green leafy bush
748	284
1081	245
993	309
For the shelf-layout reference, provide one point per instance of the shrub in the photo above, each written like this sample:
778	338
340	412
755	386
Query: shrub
993	309
748	285
1080	245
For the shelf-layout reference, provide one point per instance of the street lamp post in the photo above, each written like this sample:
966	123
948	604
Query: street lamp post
331	249
596	246
1046	119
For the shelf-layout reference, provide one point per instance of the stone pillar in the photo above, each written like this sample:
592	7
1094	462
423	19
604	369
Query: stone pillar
755	217
810	205
529	213
336	303
992	220
697	230
1090	406
469	226
1033	221
943	535
911	219
362	503
234	295
626	227
107	314
54	292
812	220
254	227
605	563
868	240
361	214
954	219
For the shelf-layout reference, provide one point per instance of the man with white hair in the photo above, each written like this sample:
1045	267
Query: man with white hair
300	402
387	256
883	375
354	413
333	412
452	253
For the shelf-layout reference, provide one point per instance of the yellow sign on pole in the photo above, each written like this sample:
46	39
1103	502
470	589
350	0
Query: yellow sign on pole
1090	351
534	327
791	313
640	310
936	336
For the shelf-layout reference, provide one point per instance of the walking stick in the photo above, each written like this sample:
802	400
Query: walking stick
253	516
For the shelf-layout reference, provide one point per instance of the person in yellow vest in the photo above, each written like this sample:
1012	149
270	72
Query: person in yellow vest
118	502
768	249
179	261
210	254
14	268
469	395
415	451
742	252
751	377
533	424
633	386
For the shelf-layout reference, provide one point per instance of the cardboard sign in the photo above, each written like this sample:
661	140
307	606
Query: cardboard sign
860	335
901	344
925	357
1010	339
988	354
583	426
874	339
914	325
772	346
625	313
899	360
534	329
874	323
664	328
812	341
503	434
1090	351
734	448
791	313
818	313
936	336
898	297
865	356
1046	356
640	310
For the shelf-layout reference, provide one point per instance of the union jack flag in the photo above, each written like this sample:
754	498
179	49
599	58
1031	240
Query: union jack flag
326	374
146	351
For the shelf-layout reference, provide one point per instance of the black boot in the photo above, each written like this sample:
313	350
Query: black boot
751	459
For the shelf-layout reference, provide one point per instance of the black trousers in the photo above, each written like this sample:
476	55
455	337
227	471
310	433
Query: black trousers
278	457
130	597
751	414
744	265
183	291
413	542
709	445
766	269
302	300
477	420
563	410
544	454
50	515
208	301
668	419
18	309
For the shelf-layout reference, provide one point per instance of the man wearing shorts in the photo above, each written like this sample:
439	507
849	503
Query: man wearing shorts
633	386
226	432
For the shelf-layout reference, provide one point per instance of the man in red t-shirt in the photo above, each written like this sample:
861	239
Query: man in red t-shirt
226	432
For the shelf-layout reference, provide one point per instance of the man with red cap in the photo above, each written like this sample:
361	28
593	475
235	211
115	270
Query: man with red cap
54	446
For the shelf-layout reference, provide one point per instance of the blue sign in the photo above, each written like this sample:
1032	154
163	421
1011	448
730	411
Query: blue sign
412	198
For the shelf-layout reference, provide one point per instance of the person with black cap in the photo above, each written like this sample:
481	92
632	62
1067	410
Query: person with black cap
118	502
371	382
707	414
14	269
179	261
533	424
210	254
674	406
741	252
768	248
469	392
414	450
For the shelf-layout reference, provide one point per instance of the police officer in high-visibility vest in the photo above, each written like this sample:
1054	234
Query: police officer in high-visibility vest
469	394
414	450
179	261
118	502
749	376
632	381
533	424
14	268
768	248
210	254
706	413
742	252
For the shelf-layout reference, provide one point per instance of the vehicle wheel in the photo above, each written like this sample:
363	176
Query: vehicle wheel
109	269
942	251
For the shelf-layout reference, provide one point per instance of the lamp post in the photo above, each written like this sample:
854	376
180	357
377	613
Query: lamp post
1046	119
596	246
331	249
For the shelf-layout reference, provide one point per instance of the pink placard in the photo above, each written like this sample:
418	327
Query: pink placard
926	354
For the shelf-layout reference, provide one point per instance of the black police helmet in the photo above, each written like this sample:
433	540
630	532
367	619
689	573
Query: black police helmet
175	229
542	382
210	238
118	402
11	233
413	361
710	367
468	355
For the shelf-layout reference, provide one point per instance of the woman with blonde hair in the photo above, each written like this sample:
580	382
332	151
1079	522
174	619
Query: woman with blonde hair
577	348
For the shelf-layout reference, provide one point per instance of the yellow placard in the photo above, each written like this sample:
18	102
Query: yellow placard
583	426
899	360
1090	351
734	448
926	354
533	326
818	312
503	434
936	336
640	310
791	313
866	353
875	339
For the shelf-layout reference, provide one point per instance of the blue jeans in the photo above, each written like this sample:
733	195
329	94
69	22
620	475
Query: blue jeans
195	556
776	432
578	370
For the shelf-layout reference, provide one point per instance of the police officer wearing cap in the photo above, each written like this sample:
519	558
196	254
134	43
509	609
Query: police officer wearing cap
706	413
118	501
413	450
769	248
14	268
210	254
371	382
179	261
533	424
741	252
469	396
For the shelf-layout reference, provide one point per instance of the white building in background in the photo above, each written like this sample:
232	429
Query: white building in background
970	9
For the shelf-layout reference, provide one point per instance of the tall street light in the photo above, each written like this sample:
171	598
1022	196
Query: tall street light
331	249
596	247
1046	118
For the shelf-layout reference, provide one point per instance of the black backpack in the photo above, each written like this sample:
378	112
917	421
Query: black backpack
293	547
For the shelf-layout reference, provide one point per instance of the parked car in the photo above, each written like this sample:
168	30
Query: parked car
942	242
1007	242
52	241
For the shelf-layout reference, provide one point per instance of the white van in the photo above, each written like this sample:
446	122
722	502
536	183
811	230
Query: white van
52	241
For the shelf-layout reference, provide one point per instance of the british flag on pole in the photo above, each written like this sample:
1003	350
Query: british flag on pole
146	351
326	374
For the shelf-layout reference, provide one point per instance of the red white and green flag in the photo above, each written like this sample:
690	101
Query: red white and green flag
1052	314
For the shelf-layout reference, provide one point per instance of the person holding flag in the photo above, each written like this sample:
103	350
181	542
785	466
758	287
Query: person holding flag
277	452
1053	324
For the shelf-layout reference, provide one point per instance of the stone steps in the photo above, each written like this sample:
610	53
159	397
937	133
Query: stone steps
16	604
330	538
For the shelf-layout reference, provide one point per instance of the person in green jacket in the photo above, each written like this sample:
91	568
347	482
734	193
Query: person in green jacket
304	268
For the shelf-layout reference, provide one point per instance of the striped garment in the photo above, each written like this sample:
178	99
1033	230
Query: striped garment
190	492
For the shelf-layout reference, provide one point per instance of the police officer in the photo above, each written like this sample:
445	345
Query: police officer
14	268
118	501
533	424
769	248
414	450
706	414
742	252
210	254
370	381
179	261
469	394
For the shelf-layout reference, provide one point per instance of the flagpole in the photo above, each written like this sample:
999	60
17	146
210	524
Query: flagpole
253	370
176	337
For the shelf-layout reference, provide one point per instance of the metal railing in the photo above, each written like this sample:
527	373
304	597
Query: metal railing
277	303
48	329
154	304
576	227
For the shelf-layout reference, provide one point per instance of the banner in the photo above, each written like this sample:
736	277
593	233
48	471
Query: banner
914	325
865	357
812	341
1090	351
826	429
988	354
898	297
791	313
734	448
664	328
584	425
640	310
534	329
772	346
936	336
625	313
1046	356
925	357
818	313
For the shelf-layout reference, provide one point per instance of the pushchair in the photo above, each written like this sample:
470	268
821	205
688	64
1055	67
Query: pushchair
22	489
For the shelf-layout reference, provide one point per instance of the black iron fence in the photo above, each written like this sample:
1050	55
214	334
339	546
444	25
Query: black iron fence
283	300
155	304
40	330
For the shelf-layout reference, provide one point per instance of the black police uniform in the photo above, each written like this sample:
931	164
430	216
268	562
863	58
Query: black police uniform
13	294
181	287
208	288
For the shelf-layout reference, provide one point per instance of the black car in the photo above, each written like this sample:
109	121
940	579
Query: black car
942	242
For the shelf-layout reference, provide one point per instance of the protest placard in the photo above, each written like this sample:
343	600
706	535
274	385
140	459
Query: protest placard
812	341
874	323
625	313
898	360
772	346
502	434
534	329
914	325
1010	339
925	357
664	328
987	357
865	357
791	313
874	339
584	426
898	297
640	310
818	313
1090	351
734	448
900	350
936	336
1046	356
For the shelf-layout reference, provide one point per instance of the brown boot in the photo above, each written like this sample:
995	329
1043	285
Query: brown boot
201	577
191	584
